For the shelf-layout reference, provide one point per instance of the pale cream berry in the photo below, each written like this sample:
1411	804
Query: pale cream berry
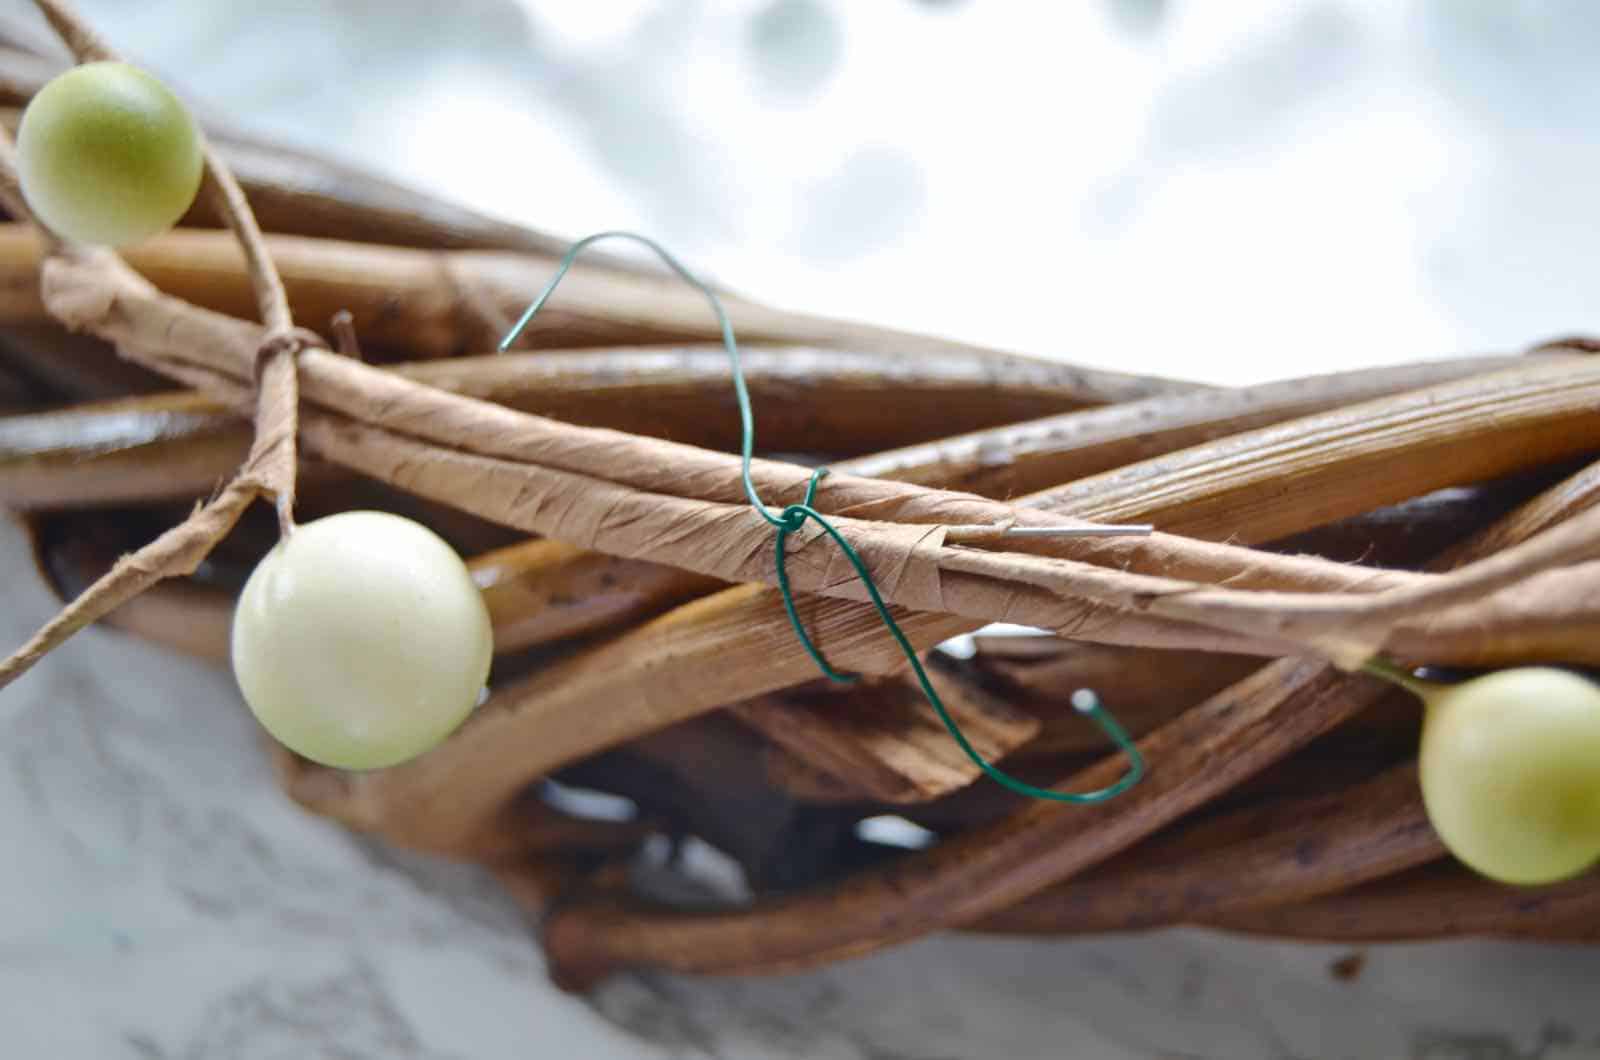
1510	767
361	640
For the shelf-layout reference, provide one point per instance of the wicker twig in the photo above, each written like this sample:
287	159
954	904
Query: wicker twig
1439	901
1282	852
177	552
881	742
187	441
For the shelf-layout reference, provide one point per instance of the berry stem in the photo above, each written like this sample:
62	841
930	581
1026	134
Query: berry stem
86	45
273	457
1382	668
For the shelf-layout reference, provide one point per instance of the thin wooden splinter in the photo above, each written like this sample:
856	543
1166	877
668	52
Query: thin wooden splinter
343	326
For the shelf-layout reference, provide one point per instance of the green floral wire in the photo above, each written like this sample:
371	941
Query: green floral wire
793	518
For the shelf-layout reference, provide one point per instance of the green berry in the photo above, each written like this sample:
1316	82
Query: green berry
107	155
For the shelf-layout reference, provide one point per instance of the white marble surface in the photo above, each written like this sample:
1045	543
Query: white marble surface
1230	191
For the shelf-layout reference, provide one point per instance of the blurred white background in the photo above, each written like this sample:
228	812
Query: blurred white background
1229	191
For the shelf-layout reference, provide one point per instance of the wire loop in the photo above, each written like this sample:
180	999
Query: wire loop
792	520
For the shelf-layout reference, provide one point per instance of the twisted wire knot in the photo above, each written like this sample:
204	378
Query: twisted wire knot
793	518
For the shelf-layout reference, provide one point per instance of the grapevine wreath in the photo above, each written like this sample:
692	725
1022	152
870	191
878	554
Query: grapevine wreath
1348	659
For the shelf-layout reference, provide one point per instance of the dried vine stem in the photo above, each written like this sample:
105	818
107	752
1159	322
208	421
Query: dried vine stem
178	444
883	742
273	458
1149	687
1023	458
559	501
271	466
890	747
1437	901
70	367
81	40
406	804
1282	852
178	551
168	446
543	591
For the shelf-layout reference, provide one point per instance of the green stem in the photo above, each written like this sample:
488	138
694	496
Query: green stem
1382	668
